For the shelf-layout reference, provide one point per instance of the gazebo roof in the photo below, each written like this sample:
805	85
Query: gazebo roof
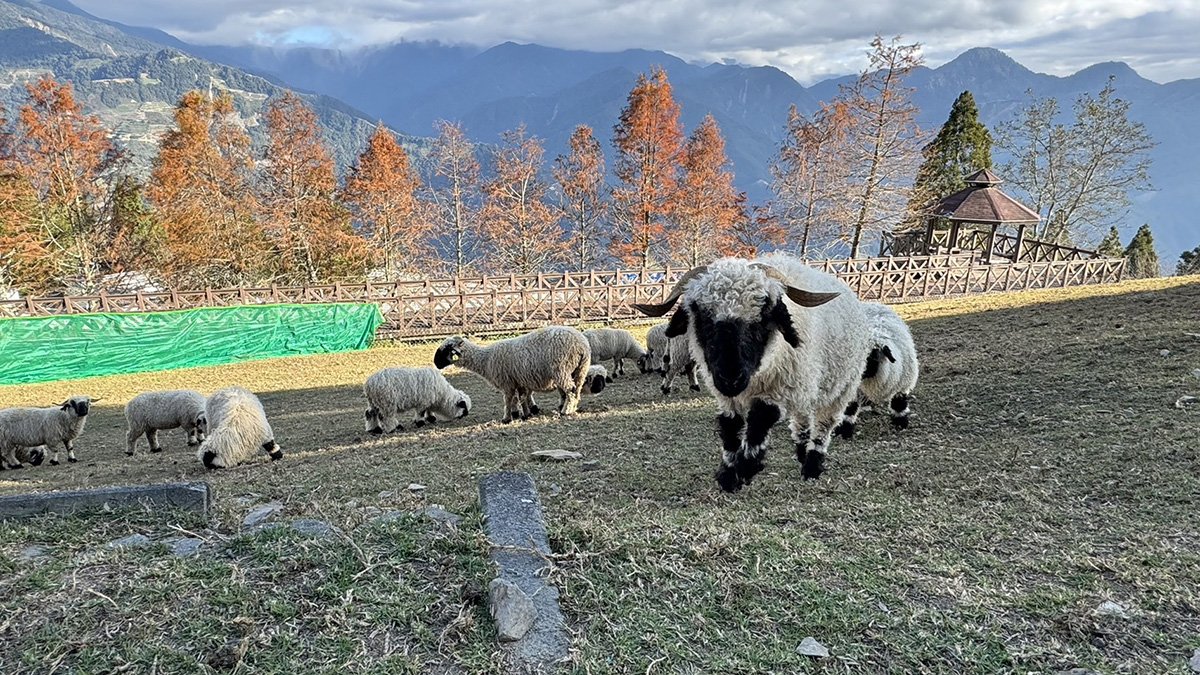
982	202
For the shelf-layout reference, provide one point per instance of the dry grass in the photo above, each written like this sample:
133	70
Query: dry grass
1047	471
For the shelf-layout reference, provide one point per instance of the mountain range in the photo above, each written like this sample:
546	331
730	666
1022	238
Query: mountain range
132	76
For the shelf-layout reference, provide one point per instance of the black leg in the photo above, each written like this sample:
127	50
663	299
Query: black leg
848	426
900	411
729	427
759	420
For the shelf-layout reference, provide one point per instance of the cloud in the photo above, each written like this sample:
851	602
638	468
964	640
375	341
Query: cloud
811	40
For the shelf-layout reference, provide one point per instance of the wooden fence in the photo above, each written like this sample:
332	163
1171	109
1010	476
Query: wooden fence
497	304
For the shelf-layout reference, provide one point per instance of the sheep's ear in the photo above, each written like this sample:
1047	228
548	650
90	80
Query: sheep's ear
64	405
887	351
779	317
678	324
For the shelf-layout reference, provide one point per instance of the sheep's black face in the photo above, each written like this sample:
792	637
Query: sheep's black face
643	362
373	423
463	408
445	355
734	348
80	408
597	384
202	424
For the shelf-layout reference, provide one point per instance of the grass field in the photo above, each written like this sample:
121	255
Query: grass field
1047	471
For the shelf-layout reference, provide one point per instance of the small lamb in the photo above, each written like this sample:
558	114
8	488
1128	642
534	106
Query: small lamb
615	344
391	392
148	413
891	371
25	430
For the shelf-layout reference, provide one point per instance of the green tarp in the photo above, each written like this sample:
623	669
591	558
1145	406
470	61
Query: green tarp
86	345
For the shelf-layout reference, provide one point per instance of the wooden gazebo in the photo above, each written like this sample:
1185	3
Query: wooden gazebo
981	203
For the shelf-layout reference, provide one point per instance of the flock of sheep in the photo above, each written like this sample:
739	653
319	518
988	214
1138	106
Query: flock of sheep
770	338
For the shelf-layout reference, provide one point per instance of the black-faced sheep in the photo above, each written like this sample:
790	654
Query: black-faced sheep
424	392
770	335
678	360
237	428
154	411
891	370
615	344
25	430
554	358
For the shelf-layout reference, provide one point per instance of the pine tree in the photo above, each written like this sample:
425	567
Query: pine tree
202	189
648	140
1111	245
580	177
381	192
522	229
1189	262
311	231
962	146
1142	259
708	206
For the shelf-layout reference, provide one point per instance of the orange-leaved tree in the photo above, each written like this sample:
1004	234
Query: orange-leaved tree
708	207
381	192
65	154
310	230
648	140
521	229
202	190
25	261
452	198
580	177
810	173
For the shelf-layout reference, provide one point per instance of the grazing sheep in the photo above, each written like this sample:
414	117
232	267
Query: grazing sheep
678	359
891	371
615	344
768	336
423	391
550	358
237	427
26	430
597	379
657	344
154	411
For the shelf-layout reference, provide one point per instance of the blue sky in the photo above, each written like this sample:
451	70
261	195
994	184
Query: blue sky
810	39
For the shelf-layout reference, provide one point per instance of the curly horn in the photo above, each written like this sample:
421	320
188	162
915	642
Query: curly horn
799	296
651	309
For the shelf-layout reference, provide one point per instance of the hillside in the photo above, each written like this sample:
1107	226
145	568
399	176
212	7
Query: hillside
133	83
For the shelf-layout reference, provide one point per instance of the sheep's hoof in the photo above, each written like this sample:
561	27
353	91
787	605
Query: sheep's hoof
666	391
535	410
694	387
845	430
748	468
160	449
506	420
276	456
37	458
376	431
419	423
129	453
814	465
54	462
192	444
16	466
900	423
72	460
609	379
728	478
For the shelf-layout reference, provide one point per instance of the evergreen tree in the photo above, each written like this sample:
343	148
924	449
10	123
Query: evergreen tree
1111	245
1189	262
1141	256
962	146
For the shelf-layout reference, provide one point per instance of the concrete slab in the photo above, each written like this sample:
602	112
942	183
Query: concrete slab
188	496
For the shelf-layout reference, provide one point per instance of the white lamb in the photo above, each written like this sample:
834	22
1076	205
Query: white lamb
391	392
770	335
554	358
154	411
237	428
891	370
657	344
615	344
25	430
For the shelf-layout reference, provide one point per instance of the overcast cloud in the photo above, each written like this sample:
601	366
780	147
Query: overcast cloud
810	39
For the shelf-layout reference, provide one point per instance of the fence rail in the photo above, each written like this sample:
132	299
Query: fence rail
516	302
